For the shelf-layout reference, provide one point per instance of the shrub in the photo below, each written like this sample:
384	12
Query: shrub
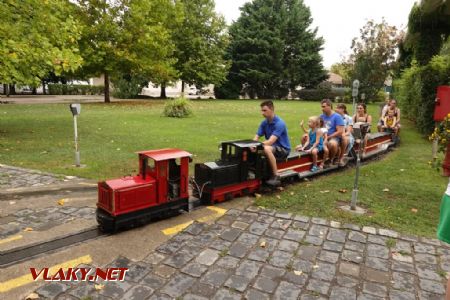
416	91
128	87
74	89
178	108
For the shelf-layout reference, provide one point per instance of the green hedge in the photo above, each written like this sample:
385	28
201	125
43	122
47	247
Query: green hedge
322	93
416	91
75	89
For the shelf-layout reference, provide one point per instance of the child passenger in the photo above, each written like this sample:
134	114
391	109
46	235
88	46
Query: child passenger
389	121
314	141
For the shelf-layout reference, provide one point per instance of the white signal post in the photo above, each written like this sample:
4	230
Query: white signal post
76	110
355	94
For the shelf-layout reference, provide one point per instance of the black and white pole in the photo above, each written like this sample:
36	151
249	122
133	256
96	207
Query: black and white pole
355	94
76	109
355	185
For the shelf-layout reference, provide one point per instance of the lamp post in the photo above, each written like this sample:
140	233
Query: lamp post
76	109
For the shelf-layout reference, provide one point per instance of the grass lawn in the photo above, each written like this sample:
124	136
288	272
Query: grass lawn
41	137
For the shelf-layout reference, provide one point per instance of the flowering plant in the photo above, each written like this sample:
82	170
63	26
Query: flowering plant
442	133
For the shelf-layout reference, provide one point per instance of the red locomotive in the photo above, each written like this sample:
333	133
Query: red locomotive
161	187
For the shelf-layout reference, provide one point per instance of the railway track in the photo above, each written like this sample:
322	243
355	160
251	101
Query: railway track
28	252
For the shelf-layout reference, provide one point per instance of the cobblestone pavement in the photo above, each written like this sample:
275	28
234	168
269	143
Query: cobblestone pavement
42	219
14	177
261	254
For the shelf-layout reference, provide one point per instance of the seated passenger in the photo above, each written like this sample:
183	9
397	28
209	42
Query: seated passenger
362	116
383	111
347	137
314	141
389	121
396	113
276	145
335	126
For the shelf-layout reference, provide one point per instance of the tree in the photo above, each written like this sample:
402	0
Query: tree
373	56
343	69
273	49
428	29
127	38
36	38
200	41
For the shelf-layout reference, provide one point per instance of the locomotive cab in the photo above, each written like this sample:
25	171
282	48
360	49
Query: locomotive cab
237	172
160	186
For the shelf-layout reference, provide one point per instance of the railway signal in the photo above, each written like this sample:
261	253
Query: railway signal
75	108
355	93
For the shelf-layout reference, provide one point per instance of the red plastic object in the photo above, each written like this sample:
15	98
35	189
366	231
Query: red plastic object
442	104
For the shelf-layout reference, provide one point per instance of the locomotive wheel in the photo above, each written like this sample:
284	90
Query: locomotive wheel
246	191
228	196
111	228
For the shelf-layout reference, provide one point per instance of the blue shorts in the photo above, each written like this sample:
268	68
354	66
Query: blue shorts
337	139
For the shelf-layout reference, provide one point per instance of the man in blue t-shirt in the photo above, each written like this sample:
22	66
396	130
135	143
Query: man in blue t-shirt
276	145
335	126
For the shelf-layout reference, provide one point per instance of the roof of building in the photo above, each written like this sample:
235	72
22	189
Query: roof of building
334	78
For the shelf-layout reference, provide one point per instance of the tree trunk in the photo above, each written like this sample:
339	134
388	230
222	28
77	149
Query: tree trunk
6	90
107	99
163	91
182	88
34	92
43	87
12	89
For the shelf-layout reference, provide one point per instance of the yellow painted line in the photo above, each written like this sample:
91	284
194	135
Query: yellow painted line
218	210
25	279
177	228
10	239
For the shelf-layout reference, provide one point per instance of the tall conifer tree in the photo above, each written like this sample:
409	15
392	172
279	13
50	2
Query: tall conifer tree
274	49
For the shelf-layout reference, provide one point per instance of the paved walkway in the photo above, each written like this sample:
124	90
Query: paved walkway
14	177
44	99
260	254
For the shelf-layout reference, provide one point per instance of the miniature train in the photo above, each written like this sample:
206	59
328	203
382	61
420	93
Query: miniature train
162	185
